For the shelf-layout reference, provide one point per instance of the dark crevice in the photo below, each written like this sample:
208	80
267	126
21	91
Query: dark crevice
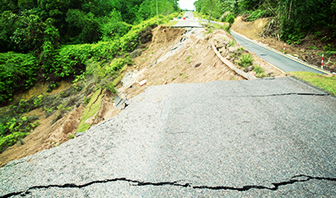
282	94
294	179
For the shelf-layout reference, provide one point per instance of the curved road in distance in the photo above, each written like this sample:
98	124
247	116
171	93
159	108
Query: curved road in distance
279	60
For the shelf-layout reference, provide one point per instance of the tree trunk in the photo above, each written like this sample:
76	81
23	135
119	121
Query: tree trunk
157	13
213	3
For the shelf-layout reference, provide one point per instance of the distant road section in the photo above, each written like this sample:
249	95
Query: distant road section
279	60
190	21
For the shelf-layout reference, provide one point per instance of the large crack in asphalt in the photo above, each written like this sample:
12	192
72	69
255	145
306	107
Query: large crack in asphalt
275	95
295	179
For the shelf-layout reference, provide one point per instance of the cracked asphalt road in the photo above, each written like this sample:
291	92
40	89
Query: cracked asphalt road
271	138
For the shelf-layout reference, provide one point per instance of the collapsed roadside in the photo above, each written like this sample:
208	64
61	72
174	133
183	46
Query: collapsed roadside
167	55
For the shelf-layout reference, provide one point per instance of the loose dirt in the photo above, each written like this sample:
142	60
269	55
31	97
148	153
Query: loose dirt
196	62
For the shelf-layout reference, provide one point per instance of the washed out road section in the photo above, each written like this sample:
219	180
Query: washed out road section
188	22
236	138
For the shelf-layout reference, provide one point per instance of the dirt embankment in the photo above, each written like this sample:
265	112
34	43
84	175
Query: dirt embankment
173	56
194	62
308	50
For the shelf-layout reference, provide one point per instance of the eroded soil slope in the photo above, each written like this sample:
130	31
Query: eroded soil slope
187	57
173	56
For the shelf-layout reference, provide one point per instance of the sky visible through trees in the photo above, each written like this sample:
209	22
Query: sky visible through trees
187	4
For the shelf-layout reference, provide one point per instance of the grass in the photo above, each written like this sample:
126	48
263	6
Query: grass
322	81
246	60
117	80
259	71
170	23
216	26
233	78
232	43
89	111
188	59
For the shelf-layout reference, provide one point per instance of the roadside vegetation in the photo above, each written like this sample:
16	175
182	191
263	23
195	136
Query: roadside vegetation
86	42
327	83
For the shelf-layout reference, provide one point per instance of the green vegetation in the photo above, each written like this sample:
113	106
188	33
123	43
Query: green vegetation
245	60
188	59
48	41
51	40
232	43
230	18
17	71
90	111
170	23
322	81
215	26
292	20
259	71
15	129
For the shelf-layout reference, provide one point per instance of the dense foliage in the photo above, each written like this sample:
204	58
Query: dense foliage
293	18
44	28
49	40
17	71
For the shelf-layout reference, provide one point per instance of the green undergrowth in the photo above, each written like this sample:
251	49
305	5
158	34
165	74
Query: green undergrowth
256	14
21	71
322	81
203	16
90	110
17	71
260	73
170	24
216	26
16	129
16	121
93	67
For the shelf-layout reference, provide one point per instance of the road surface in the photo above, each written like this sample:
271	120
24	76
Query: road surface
189	22
259	138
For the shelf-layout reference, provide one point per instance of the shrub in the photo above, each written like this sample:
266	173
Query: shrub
14	129
230	18
246	60
17	71
113	27
83	25
258	69
259	13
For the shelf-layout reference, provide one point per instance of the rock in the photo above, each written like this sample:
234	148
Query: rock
233	49
219	47
136	53
249	68
271	74
129	79
198	64
226	42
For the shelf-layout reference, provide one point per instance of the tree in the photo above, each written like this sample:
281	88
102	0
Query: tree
213	3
